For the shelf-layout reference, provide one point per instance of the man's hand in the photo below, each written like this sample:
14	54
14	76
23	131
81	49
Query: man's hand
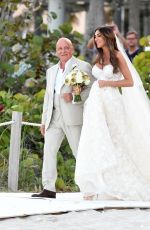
76	90
67	97
42	129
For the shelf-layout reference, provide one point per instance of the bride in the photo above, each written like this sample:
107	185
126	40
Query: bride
113	160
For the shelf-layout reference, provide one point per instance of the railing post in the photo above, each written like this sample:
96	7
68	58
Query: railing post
14	153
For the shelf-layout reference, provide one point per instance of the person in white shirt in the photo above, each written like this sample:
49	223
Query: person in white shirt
60	116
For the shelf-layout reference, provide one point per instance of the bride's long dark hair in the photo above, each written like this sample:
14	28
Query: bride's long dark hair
109	36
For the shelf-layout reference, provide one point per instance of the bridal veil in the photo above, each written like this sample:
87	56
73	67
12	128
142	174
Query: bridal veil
137	106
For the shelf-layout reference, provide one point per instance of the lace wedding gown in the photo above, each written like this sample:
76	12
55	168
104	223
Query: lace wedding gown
104	162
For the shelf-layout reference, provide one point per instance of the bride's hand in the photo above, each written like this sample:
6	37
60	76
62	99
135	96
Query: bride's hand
102	83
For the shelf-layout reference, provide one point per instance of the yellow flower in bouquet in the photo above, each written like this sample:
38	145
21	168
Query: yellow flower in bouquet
77	79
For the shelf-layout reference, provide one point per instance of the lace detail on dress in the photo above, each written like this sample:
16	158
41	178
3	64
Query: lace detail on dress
103	164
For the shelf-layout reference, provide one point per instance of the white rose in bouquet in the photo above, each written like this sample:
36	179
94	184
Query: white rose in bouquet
77	78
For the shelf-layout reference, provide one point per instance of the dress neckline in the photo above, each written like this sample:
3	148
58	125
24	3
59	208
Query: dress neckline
103	66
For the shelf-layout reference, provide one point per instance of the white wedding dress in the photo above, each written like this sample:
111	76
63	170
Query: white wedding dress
106	160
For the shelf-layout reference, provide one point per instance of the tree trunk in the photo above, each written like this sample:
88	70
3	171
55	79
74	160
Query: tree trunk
118	10
95	16
57	6
146	20
134	15
39	7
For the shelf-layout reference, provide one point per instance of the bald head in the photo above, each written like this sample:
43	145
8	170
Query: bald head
66	40
64	49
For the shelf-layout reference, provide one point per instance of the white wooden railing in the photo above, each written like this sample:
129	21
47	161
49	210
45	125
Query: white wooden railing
14	152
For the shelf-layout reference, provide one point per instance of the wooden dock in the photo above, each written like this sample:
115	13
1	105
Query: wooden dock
21	204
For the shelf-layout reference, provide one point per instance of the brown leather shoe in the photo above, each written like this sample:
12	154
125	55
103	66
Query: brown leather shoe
45	193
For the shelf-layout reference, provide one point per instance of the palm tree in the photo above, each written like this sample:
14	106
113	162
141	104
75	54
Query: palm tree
95	16
134	17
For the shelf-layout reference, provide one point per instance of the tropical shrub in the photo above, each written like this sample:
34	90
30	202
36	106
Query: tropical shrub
142	64
31	145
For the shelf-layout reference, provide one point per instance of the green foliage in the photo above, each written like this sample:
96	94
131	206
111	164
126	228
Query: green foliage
24	59
30	171
25	54
66	28
31	141
4	148
32	145
142	64
144	41
53	14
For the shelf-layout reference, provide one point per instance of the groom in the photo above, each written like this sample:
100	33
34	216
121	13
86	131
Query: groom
60	117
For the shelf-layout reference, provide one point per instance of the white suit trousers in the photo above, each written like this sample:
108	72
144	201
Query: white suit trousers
54	136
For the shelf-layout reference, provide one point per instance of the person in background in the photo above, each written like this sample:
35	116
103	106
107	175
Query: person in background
121	38
133	47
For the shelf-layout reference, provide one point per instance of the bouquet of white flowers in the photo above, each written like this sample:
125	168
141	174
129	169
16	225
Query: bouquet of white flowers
77	79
